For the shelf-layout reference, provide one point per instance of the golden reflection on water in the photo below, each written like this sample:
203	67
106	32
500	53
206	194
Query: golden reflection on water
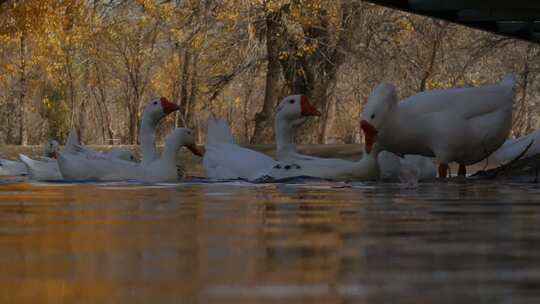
189	243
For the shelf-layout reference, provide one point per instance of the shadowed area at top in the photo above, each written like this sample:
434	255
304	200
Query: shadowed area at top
516	19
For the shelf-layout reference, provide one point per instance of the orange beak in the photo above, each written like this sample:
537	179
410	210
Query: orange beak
193	148
370	133
168	107
306	108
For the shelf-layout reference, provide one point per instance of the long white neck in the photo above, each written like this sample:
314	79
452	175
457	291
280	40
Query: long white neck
367	168
148	139
285	145
168	155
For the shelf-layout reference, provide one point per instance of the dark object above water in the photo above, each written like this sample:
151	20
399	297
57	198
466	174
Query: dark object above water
521	170
515	18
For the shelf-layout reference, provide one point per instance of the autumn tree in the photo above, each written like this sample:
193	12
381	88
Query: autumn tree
21	26
94	64
132	41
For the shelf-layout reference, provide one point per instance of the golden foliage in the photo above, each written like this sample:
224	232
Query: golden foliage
107	58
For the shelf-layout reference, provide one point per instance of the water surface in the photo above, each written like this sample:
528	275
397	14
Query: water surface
312	242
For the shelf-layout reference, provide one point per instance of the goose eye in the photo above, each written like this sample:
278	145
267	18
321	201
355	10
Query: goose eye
155	102
291	101
189	132
372	116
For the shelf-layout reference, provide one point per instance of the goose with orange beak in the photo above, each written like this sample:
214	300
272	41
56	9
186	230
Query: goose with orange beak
293	164
80	163
291	113
390	164
153	114
164	169
366	169
370	135
224	159
463	125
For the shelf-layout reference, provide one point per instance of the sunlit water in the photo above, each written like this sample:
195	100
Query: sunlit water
311	242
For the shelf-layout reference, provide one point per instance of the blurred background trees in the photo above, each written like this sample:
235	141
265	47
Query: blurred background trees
94	64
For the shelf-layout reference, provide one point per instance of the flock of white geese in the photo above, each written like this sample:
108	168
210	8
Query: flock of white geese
403	140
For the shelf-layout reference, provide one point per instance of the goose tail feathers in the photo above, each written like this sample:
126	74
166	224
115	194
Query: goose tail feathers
72	141
218	131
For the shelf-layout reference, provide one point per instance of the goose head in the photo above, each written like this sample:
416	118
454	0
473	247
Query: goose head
380	104
158	108
51	148
295	109
183	137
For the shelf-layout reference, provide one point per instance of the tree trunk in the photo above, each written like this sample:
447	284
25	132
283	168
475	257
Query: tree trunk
197	129
312	73
23	136
108	137
328	122
101	101
434	50
134	103
107	133
192	91
185	58
263	119
81	118
73	97
177	83
134	119
245	111
101	121
132	126
11	108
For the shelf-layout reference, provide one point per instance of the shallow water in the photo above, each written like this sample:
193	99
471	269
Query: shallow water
312	242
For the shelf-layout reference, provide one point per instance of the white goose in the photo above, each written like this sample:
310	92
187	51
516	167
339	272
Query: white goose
291	113
461	125
512	148
43	169
228	160
163	169
12	167
153	113
288	120
46	168
291	163
224	159
366	169
74	146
